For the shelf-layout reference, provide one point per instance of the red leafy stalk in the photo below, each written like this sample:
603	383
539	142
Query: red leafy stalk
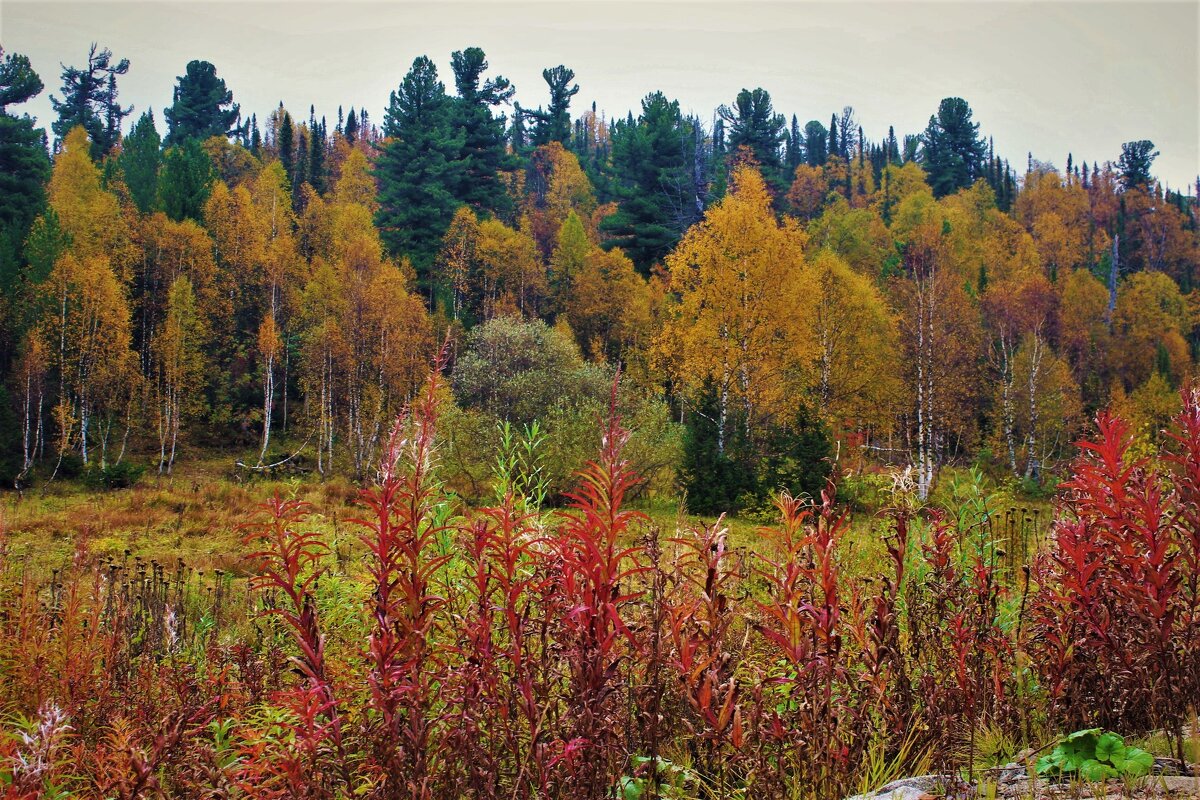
699	624
1115	611
400	539
290	564
816	718
594	563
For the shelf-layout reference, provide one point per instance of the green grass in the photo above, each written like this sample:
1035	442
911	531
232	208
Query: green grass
194	515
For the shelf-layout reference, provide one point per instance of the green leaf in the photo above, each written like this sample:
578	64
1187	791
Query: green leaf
1087	733
1137	762
630	788
1093	771
1110	747
1047	764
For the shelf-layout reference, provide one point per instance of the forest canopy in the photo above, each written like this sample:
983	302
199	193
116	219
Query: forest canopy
780	297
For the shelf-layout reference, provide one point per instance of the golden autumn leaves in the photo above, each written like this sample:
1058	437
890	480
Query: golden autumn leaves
767	321
141	314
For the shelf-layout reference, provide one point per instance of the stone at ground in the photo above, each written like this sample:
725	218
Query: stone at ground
1172	780
923	787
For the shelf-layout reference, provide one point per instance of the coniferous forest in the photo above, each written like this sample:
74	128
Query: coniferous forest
493	450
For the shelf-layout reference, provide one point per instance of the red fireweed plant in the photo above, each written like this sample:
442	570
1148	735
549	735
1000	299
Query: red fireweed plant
593	567
401	538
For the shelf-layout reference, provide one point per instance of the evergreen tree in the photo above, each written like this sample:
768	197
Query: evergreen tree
816	143
351	126
753	123
1134	164
90	100
518	139
255	136
554	124
141	158
797	456
650	175
300	176
835	147
287	147
202	106
893	149
717	165
185	182
795	147
953	154
485	154
419	169
846	127
316	156
24	165
713	480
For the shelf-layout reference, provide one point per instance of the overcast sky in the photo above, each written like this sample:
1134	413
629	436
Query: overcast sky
1050	78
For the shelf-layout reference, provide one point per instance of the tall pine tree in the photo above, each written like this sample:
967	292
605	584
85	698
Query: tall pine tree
202	106
419	168
90	100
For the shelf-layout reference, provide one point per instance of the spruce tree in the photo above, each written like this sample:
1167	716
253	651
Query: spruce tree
797	458
287	147
255	136
316	156
419	169
141	158
795	146
712	478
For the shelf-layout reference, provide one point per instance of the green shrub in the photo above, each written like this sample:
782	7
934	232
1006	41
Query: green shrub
114	476
1094	756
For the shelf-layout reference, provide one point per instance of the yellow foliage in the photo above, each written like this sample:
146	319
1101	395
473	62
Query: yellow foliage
738	278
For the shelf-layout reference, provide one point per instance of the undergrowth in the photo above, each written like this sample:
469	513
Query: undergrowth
417	649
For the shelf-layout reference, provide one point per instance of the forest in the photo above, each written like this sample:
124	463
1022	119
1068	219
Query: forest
497	451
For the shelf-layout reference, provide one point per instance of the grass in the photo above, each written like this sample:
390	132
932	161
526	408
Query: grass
194	514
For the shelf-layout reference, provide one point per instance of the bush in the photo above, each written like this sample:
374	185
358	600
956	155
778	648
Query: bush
519	371
114	476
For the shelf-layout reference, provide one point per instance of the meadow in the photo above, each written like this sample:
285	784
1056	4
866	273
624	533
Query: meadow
288	638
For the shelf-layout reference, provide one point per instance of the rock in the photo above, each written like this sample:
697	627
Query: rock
1169	766
923	787
1177	785
1010	773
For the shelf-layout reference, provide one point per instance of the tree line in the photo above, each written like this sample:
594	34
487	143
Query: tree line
774	292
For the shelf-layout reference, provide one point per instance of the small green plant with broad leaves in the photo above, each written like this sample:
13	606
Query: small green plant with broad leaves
673	780
1094	756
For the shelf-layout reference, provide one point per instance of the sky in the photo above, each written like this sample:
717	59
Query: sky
1048	78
